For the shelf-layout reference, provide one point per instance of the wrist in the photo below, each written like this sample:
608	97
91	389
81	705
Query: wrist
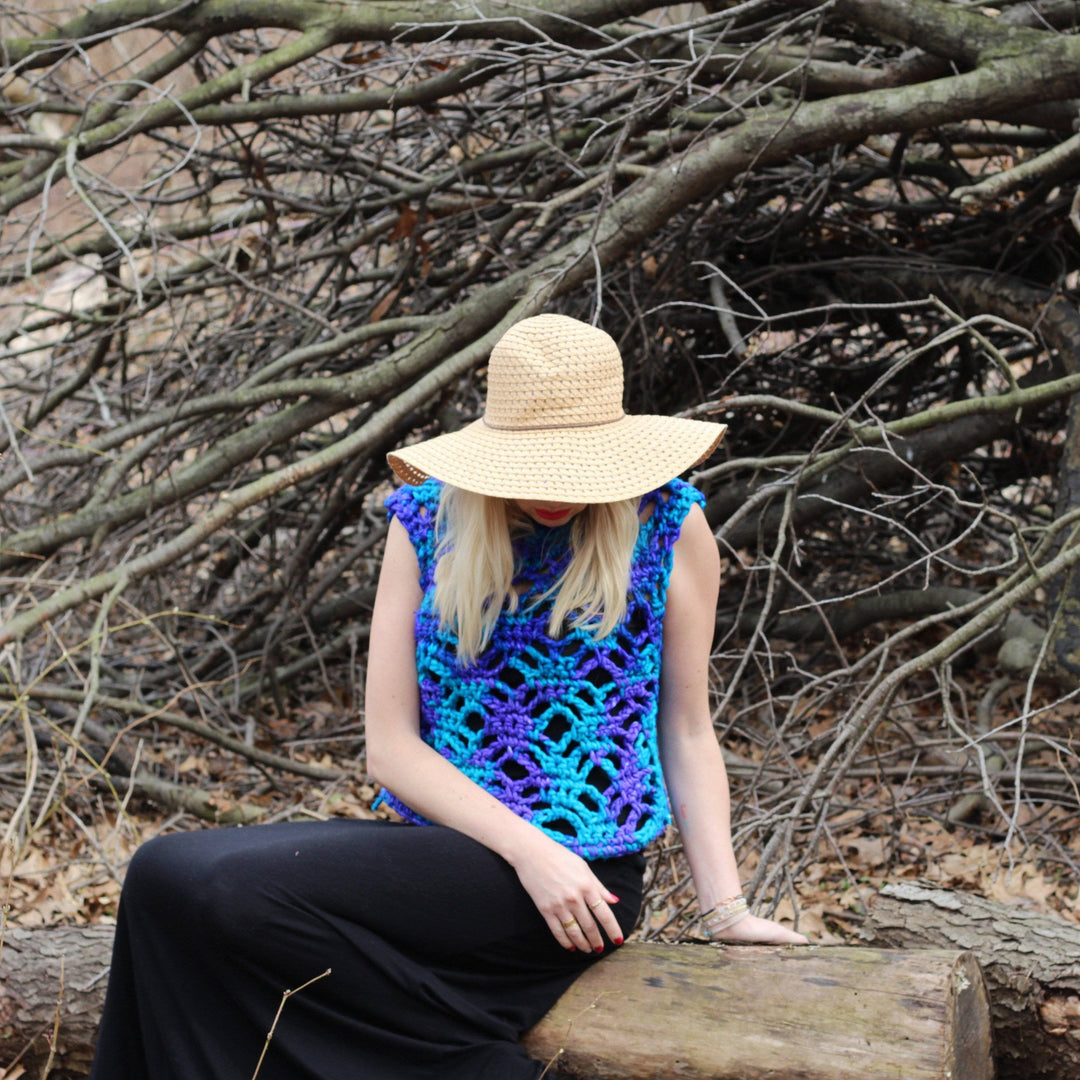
716	875
725	914
523	843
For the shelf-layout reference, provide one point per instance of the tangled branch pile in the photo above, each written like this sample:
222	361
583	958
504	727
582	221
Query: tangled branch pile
247	248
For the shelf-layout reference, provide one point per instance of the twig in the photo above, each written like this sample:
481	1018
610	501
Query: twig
55	1040
277	1016
147	713
1058	158
968	805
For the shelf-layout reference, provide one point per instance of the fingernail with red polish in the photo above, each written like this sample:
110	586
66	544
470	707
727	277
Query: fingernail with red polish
618	941
599	948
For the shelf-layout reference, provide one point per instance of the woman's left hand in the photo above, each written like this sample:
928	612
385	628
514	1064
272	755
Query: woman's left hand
755	931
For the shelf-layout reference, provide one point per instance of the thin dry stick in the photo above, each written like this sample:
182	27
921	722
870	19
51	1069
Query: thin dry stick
10	843
569	1028
99	637
56	1026
277	1016
551	1061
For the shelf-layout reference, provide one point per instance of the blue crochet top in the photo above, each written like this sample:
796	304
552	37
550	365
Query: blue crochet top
561	730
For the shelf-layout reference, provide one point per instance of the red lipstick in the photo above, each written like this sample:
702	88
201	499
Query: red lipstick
551	515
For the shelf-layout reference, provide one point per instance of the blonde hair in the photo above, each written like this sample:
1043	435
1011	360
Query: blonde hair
474	573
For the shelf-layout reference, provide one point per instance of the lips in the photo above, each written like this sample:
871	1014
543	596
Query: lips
551	515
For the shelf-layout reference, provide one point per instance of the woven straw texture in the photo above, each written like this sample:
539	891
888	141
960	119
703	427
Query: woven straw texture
554	427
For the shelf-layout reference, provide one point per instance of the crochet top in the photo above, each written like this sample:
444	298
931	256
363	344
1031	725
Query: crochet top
562	730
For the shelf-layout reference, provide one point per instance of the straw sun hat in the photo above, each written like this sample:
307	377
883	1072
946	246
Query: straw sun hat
554	427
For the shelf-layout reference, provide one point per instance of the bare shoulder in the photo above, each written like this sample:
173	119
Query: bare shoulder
689	618
696	547
695	577
399	548
399	576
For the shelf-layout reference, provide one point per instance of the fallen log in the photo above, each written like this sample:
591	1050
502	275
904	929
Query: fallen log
700	1012
686	1011
1031	963
52	979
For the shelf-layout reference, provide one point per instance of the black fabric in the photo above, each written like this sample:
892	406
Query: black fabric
439	959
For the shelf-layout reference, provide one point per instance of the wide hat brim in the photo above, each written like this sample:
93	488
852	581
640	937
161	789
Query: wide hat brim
590	464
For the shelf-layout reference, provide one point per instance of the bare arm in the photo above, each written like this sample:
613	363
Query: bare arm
693	764
560	882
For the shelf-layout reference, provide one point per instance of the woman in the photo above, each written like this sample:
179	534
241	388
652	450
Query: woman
537	697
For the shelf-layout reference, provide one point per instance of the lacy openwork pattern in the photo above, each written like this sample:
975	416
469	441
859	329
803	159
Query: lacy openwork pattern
562	730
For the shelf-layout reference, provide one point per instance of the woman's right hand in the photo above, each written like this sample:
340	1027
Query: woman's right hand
572	899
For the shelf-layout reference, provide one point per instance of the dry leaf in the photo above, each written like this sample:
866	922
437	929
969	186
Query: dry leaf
359	56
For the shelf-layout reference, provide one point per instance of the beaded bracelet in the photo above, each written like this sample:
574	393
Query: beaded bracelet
725	914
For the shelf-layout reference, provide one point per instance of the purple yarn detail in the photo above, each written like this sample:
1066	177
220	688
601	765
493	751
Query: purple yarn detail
561	730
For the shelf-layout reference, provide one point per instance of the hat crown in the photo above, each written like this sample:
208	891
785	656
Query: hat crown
551	371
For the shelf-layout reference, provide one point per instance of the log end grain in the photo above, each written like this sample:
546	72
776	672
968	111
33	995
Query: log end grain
970	1047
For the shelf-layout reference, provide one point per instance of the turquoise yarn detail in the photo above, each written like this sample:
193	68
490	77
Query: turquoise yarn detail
561	730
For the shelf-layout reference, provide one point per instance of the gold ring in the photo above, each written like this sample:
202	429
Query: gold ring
567	925
596	905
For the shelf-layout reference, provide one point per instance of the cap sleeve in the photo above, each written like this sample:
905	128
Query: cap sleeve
655	553
672	503
415	506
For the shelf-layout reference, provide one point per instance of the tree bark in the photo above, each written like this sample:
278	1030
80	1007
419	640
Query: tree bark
1031	963
690	1011
58	970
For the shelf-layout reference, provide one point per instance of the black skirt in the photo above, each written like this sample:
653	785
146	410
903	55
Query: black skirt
438	958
